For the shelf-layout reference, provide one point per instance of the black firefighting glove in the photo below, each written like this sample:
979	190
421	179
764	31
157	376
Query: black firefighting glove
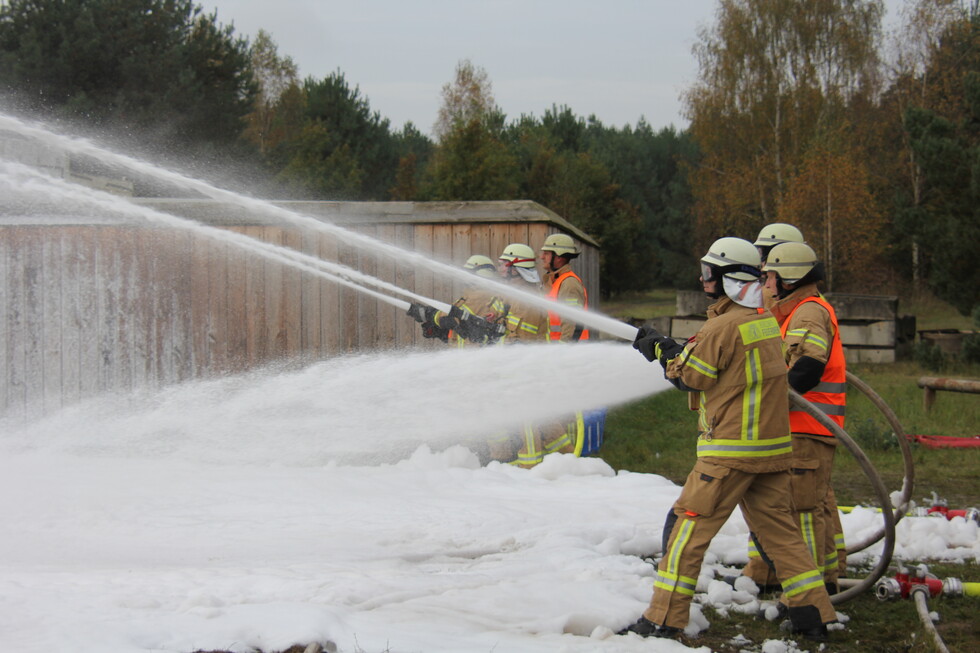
476	329
454	319
432	330
421	313
655	346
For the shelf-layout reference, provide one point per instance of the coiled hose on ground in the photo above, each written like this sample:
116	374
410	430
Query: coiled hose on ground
909	479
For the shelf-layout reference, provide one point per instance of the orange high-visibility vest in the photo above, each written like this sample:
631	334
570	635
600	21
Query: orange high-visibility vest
830	395
554	320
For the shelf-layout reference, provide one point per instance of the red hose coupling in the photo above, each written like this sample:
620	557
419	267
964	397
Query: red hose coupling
903	583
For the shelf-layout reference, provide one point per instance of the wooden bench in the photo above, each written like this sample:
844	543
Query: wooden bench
930	384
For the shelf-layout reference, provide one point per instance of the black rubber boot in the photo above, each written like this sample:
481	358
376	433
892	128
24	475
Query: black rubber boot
646	628
806	621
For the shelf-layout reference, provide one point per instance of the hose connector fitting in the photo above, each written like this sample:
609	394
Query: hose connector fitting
952	587
888	589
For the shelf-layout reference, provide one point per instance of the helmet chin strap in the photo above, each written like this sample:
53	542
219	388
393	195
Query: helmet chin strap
815	275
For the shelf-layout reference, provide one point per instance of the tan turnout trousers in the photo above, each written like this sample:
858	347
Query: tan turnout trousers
710	494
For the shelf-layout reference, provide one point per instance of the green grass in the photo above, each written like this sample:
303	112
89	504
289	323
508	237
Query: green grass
642	305
932	313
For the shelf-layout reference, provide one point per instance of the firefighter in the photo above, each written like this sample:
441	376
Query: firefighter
758	568
774	234
566	287
563	286
524	323
817	370
734	367
770	236
458	326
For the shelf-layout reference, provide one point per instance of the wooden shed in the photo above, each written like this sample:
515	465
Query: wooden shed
94	305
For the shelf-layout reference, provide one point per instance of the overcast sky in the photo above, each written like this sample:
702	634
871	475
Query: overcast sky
616	59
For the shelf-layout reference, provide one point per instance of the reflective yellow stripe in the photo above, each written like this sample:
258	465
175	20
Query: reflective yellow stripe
803	582
816	340
809	539
675	583
752	395
702	414
700	366
757	330
579	433
684	530
830	562
668	578
745	448
532	456
565	439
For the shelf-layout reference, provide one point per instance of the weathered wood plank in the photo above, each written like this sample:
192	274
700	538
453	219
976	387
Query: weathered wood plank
237	296
349	334
255	303
34	324
330	322
69	262
4	312
180	314
424	243
88	312
200	300
51	323
442	250
275	324
106	298
406	329
309	300
367	306
144	365
13	317
388	316
129	299
217	307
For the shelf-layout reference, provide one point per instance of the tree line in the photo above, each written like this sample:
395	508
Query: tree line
801	112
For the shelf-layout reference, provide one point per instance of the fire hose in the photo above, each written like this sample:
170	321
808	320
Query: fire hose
879	487
909	479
